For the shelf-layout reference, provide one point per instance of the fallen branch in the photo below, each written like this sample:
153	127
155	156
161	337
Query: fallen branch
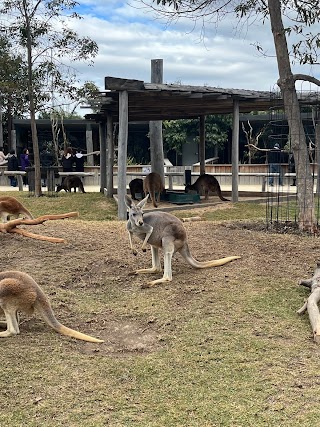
11	226
311	305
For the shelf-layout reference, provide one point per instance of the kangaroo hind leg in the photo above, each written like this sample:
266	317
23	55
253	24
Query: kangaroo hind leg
12	321
168	250
156	264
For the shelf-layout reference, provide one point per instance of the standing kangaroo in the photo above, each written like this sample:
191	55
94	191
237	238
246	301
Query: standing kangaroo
136	186
206	183
153	185
162	230
19	292
10	206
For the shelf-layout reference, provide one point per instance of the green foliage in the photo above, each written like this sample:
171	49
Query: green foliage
42	29
179	132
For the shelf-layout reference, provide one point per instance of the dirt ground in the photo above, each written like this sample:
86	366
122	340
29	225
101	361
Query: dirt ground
96	261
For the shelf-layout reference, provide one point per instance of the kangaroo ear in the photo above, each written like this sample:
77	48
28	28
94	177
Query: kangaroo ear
128	202
143	202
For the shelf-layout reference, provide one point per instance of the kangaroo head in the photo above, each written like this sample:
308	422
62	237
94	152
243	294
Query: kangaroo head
136	210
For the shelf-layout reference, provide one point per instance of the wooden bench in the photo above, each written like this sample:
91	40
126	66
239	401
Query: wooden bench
18	175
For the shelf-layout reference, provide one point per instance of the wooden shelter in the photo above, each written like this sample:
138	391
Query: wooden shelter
127	100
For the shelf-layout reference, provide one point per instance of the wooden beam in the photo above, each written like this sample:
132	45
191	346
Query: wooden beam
235	152
114	83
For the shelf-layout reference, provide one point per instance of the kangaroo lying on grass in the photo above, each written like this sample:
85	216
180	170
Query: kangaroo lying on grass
162	230
11	207
70	182
153	185
206	183
19	292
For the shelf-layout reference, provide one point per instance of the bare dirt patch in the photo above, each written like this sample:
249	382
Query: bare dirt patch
89	284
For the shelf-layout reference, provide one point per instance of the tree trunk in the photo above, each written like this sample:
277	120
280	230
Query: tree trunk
297	137
34	133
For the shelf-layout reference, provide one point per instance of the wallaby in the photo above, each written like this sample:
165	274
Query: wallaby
153	185
70	182
206	183
136	186
162	230
19	292
11	207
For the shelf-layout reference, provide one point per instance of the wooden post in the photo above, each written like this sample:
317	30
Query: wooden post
103	156
110	156
235	151
155	127
89	144
122	153
202	145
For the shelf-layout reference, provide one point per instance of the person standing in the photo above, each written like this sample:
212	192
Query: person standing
24	163
79	161
274	160
67	160
13	165
3	157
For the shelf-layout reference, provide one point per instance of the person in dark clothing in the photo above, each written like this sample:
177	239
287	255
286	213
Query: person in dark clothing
24	163
79	161
275	160
13	165
292	168
46	161
67	160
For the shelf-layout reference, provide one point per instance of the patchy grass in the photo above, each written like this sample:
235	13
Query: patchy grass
91	206
219	347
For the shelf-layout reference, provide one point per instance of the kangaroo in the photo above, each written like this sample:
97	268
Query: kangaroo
206	183
19	292
11	207
163	230
153	185
70	182
136	186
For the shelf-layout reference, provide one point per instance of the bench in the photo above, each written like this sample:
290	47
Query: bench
18	175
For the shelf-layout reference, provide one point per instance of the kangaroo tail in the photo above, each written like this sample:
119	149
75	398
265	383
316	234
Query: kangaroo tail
44	308
27	213
220	195
185	252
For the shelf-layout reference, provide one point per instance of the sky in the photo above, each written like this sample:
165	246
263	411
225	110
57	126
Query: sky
129	36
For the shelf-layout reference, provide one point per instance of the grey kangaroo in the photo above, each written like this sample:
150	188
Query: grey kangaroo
19	292
153	185
162	230
206	183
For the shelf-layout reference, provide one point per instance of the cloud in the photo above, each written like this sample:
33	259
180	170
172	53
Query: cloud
129	37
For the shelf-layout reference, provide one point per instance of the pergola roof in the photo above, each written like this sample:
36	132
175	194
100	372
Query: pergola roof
151	101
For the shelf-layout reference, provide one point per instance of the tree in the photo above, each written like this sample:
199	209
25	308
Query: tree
179	132
300	15
38	30
13	73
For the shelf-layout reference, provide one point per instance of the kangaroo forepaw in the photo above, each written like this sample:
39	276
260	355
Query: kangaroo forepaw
135	252
144	250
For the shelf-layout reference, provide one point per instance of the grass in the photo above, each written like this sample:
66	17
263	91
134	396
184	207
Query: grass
227	348
91	206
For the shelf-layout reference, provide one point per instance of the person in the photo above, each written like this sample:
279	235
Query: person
274	160
292	168
3	157
13	165
67	160
79	161
46	161
24	163
274	157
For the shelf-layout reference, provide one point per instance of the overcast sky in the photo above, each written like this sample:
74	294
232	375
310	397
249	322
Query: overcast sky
129	36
